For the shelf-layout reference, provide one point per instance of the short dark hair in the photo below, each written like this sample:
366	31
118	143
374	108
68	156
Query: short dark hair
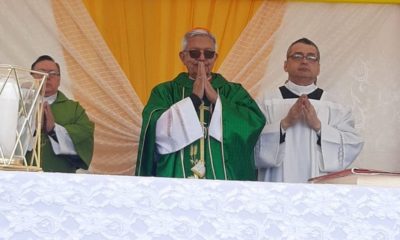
304	41
44	58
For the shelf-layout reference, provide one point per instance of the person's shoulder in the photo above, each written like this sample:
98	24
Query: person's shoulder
62	98
331	99
163	84
270	93
168	84
222	81
335	102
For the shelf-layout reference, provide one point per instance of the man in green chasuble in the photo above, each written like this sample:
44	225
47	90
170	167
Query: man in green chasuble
67	133
199	125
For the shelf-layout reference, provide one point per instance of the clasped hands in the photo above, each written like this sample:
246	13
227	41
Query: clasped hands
48	123
202	84
302	110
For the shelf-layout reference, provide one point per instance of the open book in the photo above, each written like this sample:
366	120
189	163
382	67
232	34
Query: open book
360	176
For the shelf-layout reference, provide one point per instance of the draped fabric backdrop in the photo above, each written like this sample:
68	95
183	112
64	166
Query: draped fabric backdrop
360	59
145	36
89	72
359	44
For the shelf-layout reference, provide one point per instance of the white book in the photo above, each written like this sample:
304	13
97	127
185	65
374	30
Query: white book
358	176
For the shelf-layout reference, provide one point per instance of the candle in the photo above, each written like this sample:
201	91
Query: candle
9	102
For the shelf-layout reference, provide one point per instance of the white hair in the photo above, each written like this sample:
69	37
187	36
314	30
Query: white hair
198	32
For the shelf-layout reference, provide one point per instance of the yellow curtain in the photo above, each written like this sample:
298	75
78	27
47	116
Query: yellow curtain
145	36
351	1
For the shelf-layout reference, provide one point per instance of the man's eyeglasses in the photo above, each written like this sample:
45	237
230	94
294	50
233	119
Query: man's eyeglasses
53	74
195	54
50	73
299	57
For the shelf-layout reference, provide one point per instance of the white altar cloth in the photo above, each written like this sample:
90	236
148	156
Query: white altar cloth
69	206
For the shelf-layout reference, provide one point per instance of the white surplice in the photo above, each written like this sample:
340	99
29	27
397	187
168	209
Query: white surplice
300	157
180	126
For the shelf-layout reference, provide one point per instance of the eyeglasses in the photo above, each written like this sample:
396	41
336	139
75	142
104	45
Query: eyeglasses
195	54
299	57
51	73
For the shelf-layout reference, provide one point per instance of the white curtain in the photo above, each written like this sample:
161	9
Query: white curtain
89	72
360	64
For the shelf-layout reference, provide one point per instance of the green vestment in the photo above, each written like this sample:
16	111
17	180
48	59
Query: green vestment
73	118
232	158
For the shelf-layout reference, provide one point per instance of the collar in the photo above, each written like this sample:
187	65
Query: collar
51	99
300	90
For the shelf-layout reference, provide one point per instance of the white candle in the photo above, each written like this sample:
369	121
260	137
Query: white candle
9	102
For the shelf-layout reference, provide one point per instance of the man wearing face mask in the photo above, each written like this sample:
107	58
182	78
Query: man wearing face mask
306	134
199	125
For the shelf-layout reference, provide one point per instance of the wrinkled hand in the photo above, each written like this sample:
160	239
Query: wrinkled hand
202	84
211	94
310	115
199	82
48	118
